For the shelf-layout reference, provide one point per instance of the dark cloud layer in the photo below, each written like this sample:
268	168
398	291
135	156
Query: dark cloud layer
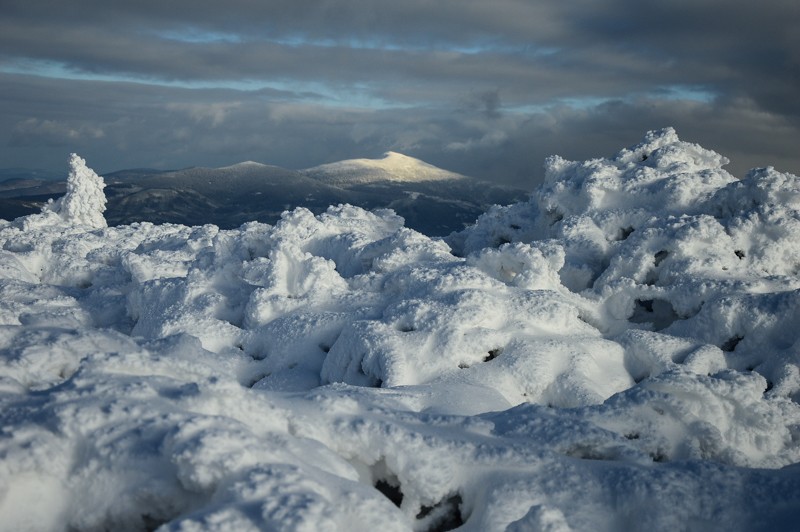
485	88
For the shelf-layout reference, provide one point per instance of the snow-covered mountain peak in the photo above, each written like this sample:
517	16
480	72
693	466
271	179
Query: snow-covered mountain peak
244	165
393	166
394	157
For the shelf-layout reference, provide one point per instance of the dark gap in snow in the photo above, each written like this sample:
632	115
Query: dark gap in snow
144	522
152	523
730	344
659	312
325	348
178	392
624	233
597	274
660	256
405	328
632	436
555	217
769	386
258	356
500	241
739	253
444	515
586	452
515	227
253	381
390	491
658	456
493	353
370	380
66	372
463	365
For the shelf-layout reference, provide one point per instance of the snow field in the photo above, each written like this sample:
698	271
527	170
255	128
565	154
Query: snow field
621	352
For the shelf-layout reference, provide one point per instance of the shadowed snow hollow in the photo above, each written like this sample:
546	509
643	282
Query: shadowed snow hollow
621	352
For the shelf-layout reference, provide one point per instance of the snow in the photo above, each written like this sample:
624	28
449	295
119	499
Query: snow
621	352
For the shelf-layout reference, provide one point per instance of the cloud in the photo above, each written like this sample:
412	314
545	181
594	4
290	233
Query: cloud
490	139
534	51
37	132
486	88
207	114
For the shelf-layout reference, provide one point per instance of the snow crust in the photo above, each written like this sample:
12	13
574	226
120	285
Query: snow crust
621	352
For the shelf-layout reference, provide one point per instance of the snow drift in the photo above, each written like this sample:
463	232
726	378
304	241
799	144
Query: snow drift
621	352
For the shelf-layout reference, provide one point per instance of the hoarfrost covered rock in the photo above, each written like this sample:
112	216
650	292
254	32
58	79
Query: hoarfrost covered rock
619	352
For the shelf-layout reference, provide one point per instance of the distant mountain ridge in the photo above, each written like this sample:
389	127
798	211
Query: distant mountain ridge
432	200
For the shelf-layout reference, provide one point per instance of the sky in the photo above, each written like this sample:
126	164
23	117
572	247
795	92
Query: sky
485	88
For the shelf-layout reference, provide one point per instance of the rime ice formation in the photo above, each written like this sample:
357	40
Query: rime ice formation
84	202
621	352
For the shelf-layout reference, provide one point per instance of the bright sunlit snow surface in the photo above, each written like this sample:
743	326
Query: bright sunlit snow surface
619	353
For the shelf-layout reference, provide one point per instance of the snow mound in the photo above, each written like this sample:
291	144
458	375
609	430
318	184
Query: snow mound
620	352
394	167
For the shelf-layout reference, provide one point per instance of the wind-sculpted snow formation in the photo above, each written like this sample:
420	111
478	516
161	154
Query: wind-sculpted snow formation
619	353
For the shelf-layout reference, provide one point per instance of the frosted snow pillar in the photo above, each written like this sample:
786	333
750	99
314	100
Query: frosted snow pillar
84	202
